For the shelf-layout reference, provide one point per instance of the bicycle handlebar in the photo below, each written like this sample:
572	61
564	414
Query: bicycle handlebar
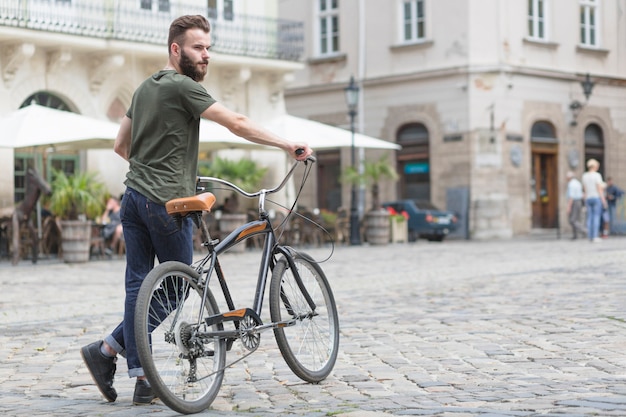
261	192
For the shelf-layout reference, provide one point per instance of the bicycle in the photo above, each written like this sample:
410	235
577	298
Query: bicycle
183	339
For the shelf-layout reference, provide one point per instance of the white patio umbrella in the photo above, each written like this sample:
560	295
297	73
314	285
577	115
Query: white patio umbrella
36	125
321	136
214	136
318	135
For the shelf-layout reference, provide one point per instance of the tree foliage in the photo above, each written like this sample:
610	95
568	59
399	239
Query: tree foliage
373	173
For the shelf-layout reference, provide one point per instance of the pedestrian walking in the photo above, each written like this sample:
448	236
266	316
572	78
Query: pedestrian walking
613	194
594	199
574	204
158	136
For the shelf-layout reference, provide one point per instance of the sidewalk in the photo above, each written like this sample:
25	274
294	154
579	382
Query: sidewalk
505	328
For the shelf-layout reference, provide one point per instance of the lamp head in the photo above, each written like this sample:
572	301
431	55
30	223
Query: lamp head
587	86
352	95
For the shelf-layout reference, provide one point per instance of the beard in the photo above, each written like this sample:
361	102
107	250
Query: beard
188	67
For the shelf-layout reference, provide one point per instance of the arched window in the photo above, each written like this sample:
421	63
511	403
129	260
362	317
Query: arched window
414	161
46	99
594	144
543	132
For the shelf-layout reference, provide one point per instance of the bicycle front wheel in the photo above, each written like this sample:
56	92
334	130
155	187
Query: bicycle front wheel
308	336
183	365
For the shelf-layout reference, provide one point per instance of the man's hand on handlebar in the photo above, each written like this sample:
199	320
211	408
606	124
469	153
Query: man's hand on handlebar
300	151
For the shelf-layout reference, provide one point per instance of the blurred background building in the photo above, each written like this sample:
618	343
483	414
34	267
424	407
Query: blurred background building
493	101
88	57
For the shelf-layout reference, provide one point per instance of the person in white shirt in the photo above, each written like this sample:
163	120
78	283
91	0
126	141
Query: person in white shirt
594	199
574	204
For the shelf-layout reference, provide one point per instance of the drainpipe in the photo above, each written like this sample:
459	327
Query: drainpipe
360	78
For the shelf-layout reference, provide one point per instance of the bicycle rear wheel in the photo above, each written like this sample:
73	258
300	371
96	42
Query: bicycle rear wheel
184	367
309	340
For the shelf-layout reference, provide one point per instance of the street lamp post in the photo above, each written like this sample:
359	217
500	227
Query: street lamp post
352	99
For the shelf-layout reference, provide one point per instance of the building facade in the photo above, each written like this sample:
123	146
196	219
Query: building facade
88	56
493	101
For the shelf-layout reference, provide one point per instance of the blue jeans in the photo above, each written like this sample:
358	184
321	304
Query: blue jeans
594	212
148	232
612	214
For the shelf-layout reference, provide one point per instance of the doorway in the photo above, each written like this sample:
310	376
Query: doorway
413	161
544	187
328	184
544	184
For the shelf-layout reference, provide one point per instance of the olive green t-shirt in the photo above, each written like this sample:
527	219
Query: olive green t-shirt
165	118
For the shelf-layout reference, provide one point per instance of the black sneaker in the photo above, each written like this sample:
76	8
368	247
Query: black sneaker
144	394
101	368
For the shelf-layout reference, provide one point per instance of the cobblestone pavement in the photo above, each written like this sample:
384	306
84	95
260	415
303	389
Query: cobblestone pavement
505	328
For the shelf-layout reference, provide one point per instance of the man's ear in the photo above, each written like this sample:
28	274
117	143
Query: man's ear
175	49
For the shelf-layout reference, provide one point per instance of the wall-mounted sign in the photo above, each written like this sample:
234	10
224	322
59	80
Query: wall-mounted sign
516	155
573	159
417	168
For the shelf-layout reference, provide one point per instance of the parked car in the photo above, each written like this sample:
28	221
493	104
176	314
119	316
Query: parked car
424	219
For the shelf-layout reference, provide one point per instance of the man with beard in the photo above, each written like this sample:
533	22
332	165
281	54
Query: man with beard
159	138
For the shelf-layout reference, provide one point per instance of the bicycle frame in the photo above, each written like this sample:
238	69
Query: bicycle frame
271	248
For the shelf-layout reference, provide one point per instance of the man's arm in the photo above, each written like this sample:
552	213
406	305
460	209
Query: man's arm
122	141
242	126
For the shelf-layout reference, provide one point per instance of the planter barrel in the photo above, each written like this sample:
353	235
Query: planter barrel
75	240
377	227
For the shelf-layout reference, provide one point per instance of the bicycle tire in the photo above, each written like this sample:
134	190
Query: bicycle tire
310	345
164	351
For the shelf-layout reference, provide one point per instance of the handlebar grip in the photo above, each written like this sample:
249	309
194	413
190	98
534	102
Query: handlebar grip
309	158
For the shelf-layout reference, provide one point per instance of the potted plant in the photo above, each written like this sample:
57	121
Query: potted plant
247	175
377	218
399	225
76	200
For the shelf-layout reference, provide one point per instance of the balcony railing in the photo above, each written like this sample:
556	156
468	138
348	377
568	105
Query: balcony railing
235	34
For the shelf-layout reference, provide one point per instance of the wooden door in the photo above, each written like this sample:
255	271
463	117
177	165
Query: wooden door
544	186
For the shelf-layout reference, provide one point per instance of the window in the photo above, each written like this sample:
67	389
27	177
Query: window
225	6
45	99
537	19
22	163
164	5
543	132
66	163
413	20
589	21
328	20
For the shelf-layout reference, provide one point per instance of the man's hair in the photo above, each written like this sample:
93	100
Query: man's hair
179	27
